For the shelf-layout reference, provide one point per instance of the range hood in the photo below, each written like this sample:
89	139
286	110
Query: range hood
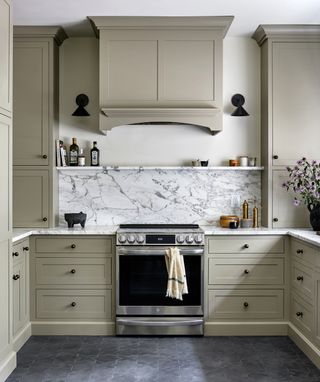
161	70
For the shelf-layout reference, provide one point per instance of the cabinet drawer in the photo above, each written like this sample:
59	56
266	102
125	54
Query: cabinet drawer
74	271
19	250
245	271
246	244
302	315
304	252
73	304
301	279
72	244
245	304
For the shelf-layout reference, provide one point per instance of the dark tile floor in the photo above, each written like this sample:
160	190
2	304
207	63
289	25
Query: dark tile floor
176	359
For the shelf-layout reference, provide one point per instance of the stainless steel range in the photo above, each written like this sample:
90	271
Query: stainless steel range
142	307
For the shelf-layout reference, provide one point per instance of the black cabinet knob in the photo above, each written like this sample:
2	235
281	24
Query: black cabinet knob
275	157
299	251
44	156
73	271
44	219
73	246
275	219
73	304
299	314
246	271
15	254
16	277
25	248
300	278
246	304
246	246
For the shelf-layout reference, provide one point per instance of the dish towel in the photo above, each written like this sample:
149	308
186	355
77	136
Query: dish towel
177	281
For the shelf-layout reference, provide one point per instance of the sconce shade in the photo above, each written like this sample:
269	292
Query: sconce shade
238	100
82	100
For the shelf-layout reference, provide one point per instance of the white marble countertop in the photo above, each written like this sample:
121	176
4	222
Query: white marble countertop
306	235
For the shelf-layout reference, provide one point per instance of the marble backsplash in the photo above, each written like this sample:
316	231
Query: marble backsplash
158	195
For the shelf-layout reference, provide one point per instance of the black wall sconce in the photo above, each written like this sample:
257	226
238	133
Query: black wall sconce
82	100
238	100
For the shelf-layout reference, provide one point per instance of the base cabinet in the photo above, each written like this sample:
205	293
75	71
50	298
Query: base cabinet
20	293
73	285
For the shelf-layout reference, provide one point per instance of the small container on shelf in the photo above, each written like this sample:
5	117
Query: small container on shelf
81	158
243	161
95	155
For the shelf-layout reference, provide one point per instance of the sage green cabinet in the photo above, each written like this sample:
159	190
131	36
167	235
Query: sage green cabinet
31	198
5	57
290	90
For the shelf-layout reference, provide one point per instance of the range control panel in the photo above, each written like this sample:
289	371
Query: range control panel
136	238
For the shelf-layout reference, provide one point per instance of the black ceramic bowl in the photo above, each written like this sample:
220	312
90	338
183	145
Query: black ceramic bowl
75	218
204	163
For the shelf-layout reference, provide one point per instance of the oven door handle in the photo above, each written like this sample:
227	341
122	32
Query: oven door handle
153	252
133	322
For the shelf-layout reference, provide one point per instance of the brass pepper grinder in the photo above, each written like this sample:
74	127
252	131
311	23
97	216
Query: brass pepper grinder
255	216
245	210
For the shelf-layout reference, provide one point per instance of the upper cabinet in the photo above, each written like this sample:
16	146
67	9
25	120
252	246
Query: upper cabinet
5	57
290	93
35	105
161	69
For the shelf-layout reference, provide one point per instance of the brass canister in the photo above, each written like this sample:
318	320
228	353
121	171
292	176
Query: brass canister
245	210
255	217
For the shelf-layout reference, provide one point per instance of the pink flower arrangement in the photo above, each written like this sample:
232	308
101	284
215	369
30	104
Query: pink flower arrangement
304	180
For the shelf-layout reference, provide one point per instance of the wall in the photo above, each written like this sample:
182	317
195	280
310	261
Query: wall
162	145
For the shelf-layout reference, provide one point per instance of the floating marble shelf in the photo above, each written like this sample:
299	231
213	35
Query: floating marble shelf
118	168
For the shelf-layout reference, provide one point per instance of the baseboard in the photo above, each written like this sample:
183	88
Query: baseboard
60	328
8	365
310	350
246	328
22	337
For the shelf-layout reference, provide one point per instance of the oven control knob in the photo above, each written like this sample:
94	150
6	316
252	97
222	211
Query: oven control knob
122	239
189	239
180	239
140	239
198	239
131	239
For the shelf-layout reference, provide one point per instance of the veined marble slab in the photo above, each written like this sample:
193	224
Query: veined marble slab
112	196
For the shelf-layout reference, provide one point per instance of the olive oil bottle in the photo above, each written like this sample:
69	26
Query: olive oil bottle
95	155
74	153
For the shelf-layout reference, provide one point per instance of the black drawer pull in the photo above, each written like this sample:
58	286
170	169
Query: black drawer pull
246	246
44	156
45	219
73	304
275	156
246	304
275	219
15	254
73	271
299	314
300	278
299	251
246	271
16	277
25	248
73	246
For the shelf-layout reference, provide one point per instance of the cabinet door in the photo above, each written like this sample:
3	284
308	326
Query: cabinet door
5	175
5	56
317	308
283	210
295	101
30	103
30	198
19	295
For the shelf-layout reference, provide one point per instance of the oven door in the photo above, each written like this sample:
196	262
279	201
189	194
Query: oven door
142	283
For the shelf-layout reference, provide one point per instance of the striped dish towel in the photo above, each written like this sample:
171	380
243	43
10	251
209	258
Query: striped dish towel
177	281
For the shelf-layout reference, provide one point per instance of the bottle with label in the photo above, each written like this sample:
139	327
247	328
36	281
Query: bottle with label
95	155
74	153
81	158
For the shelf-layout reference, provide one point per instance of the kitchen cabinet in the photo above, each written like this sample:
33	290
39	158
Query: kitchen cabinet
6	57
155	69
36	116
73	285
246	280
31	198
21	329
290	88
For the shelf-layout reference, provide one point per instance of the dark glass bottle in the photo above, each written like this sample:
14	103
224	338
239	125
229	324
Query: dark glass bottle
74	153
95	155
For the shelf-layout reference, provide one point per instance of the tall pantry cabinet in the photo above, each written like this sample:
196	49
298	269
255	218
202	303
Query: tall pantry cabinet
35	125
290	93
7	356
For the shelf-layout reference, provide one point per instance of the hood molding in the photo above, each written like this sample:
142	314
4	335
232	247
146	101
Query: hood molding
161	69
